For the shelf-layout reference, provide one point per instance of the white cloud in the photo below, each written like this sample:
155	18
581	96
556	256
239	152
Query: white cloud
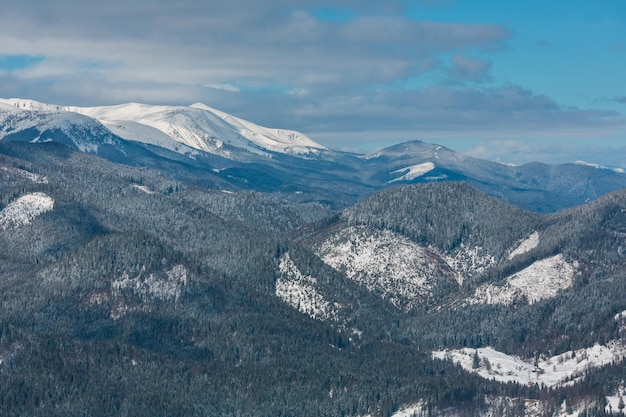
607	153
224	87
470	69
343	81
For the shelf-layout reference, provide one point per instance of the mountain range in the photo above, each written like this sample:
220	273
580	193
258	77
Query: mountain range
209	147
181	261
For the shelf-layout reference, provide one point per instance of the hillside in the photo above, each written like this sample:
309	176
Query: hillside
132	290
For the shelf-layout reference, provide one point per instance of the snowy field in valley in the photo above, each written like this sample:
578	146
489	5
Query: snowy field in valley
562	369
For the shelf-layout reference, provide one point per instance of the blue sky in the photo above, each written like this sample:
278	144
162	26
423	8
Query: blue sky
507	81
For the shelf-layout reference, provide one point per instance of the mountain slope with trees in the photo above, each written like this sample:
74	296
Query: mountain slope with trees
136	293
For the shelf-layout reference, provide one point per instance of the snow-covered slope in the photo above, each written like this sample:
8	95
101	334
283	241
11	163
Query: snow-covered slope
468	261
147	134
24	209
299	291
541	280
413	171
37	122
36	178
386	263
193	128
526	245
277	140
183	129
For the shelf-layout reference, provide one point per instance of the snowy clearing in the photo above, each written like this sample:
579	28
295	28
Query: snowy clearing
299	291
414	171
23	210
165	287
525	245
539	281
386	263
468	261
558	370
143	188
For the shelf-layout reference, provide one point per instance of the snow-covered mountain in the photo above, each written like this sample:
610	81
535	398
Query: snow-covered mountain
183	129
43	123
208	147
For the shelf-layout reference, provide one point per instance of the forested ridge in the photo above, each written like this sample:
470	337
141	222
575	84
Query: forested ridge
139	295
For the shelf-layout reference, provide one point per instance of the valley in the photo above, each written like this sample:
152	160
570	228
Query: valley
180	260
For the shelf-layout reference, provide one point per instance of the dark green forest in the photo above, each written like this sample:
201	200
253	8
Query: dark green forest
142	295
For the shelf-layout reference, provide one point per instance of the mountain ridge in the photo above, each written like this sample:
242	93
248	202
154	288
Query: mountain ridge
197	126
202	145
235	302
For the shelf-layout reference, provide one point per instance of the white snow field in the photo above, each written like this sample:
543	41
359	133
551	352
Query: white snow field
413	171
299	291
24	209
386	263
526	245
541	280
558	370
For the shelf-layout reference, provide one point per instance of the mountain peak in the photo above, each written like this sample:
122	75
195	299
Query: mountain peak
187	129
27	104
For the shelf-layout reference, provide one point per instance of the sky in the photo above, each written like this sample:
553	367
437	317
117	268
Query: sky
508	81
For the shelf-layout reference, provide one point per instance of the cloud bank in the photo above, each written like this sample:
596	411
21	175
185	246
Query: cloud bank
343	71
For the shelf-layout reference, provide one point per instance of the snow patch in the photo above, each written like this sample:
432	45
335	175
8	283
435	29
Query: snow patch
598	166
385	263
147	288
22	211
528	244
143	188
411	410
468	261
299	292
613	401
539	281
559	370
414	171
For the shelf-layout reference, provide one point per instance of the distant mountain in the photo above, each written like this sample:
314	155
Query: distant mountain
204	146
534	186
186	129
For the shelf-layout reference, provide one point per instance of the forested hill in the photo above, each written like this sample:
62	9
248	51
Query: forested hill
127	292
445	215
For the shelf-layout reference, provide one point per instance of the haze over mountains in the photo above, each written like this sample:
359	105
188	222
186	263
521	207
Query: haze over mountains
179	261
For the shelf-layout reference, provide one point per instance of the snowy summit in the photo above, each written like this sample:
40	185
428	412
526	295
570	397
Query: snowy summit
181	129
